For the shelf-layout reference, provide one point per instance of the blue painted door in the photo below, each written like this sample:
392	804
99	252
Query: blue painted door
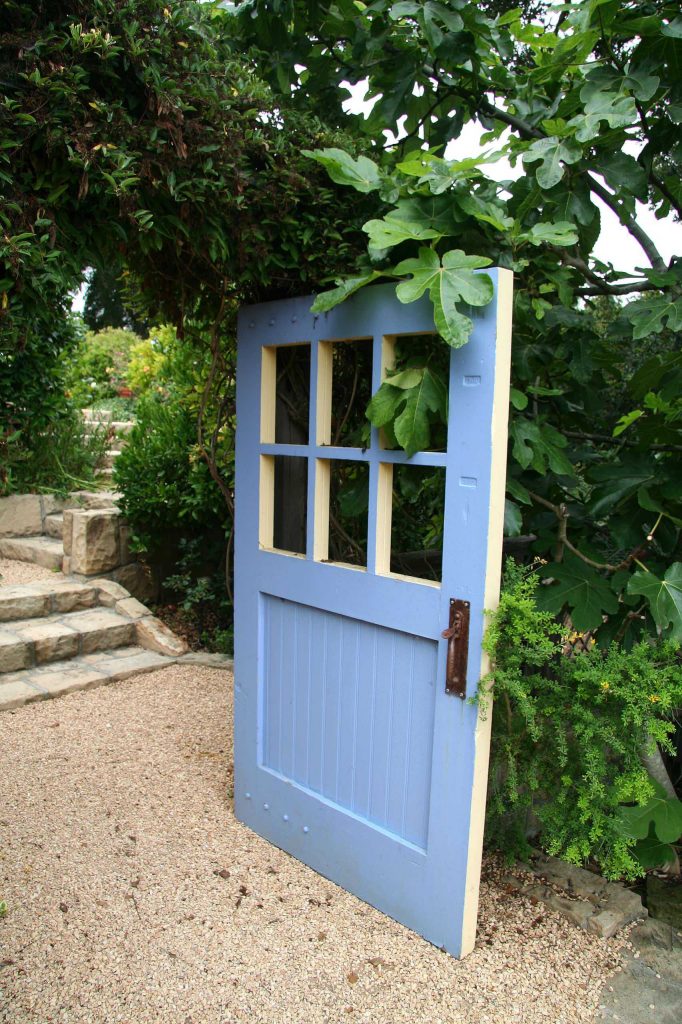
349	752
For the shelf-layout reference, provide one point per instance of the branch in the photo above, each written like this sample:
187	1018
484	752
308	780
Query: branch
562	514
526	131
621	442
618	289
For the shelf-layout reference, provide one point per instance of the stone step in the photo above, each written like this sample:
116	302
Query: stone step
118	426
110	458
82	673
41	550
28	642
54	525
36	600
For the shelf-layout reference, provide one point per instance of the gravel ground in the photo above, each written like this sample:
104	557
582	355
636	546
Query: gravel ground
134	896
13	572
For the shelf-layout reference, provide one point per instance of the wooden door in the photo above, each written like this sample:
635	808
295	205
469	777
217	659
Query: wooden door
349	751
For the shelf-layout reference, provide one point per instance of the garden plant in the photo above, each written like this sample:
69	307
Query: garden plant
204	151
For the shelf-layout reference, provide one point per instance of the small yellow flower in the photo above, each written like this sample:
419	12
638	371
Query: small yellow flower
605	686
654	698
166	12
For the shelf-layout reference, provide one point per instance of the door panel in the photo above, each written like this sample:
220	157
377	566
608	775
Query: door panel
349	753
348	713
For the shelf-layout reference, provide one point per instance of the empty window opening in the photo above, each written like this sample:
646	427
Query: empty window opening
417	517
290	503
292	394
348	511
351	392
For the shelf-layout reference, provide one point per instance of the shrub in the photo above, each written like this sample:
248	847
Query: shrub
98	368
569	732
178	514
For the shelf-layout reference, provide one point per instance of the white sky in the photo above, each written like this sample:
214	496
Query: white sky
615	244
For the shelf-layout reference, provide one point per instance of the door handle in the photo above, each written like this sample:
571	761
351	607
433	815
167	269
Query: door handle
457	636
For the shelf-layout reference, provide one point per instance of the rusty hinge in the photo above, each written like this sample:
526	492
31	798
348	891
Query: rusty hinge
457	636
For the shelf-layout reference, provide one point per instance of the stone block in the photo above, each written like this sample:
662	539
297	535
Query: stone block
132	608
45	551
137	579
624	902
23	603
605	923
67	530
94	541
152	634
51	641
68	679
102	629
128	662
14	692
21	515
74	598
53	525
110	592
94	499
14	653
664	899
214	660
52	505
570	877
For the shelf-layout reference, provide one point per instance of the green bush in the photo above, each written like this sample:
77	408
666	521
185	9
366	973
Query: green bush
98	368
179	517
43	444
569	733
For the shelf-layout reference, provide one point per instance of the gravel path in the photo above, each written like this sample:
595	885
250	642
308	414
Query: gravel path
134	896
13	572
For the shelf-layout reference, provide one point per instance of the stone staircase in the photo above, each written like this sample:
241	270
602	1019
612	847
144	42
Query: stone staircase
61	635
118	430
84	536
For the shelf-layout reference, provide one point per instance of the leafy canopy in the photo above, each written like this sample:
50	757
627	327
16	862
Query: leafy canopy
584	101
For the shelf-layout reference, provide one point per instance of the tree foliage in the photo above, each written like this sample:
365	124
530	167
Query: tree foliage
133	136
585	103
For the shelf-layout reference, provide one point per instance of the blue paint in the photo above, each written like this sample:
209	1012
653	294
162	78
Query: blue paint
342	724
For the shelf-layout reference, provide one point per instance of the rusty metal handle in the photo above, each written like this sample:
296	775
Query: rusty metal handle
457	635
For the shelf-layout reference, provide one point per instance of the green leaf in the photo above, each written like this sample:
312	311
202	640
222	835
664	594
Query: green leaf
518	399
604	105
412	427
553	154
652	853
650	315
384	234
518	491
512	518
448	284
618	481
383	405
409	378
626	421
673	29
581	588
661	810
664	597
361	173
537	445
560	233
622	170
327	300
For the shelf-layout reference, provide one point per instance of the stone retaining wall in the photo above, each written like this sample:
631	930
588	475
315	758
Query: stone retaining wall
97	543
23	515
